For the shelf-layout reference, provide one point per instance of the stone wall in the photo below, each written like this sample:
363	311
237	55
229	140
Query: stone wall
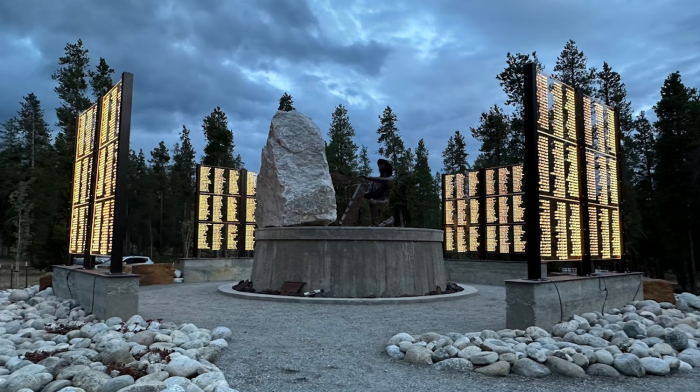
215	270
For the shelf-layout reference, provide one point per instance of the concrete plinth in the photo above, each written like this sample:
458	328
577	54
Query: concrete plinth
352	262
97	291
545	303
488	272
215	270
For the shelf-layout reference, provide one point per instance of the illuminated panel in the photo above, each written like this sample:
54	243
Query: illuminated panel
604	199
491	210
559	172
219	181
449	239
473	239
217	208
517	179
462	212
449	212
587	125
593	229
203	208
518	210
82	176
599	128
558	108
546	228
204	181
473	184
570	111
232	236
543	163
250	210
474	208
604	224
503	179
250	237
504	238
490	182
105	188
572	175
217	236
613	180
612	147
202	233
459	186
543	107
503	210
591	175
252	181
449	186
233	177
518	239
560	234
575	230
615	231
461	239
491	238
231	209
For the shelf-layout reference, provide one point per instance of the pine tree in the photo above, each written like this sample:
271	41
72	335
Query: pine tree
364	165
390	144
494	134
572	69
22	206
219	148
138	223
612	92
341	152
182	178
13	171
101	79
36	133
454	157
425	204
286	103
512	79
160	194
644	143
674	176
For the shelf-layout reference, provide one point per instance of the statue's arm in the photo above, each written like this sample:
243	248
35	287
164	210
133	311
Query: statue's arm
381	180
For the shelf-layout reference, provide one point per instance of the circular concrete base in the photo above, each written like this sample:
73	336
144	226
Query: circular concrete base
351	262
228	290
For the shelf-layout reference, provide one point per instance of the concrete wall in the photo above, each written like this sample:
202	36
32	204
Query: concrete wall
537	303
352	262
493	273
215	270
98	292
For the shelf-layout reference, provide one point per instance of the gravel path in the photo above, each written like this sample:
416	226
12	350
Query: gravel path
315	347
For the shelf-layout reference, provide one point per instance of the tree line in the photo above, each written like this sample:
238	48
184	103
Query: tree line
660	160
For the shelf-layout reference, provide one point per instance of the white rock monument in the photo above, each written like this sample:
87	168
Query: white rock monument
294	187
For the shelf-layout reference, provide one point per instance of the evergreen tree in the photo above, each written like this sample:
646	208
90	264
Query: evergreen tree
454	157
363	163
674	176
36	133
425	203
182	178
494	134
71	90
341	152
11	173
101	79
138	218
612	92
22	207
572	69
160	195
644	143
390	144
286	103
219	148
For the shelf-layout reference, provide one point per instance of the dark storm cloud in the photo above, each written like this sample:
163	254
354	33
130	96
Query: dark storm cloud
433	62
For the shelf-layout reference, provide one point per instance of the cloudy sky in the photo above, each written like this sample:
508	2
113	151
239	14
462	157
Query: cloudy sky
434	62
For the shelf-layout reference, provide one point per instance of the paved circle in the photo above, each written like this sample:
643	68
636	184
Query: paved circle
227	289
310	347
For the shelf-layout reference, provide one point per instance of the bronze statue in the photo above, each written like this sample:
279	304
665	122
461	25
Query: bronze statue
379	191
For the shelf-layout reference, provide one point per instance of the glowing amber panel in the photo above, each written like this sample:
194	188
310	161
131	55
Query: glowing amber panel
473	184
250	237
449	186
459	186
449	239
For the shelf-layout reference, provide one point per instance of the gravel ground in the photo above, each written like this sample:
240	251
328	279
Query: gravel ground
316	347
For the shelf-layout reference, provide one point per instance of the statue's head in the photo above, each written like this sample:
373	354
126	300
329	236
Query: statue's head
385	168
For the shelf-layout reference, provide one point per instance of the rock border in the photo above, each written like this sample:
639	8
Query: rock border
226	289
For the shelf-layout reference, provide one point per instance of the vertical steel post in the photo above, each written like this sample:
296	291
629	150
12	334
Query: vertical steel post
533	234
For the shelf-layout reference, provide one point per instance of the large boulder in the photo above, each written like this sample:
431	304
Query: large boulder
294	186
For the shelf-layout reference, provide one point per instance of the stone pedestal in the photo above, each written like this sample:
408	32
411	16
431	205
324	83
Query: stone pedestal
543	303
352	262
215	270
97	291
